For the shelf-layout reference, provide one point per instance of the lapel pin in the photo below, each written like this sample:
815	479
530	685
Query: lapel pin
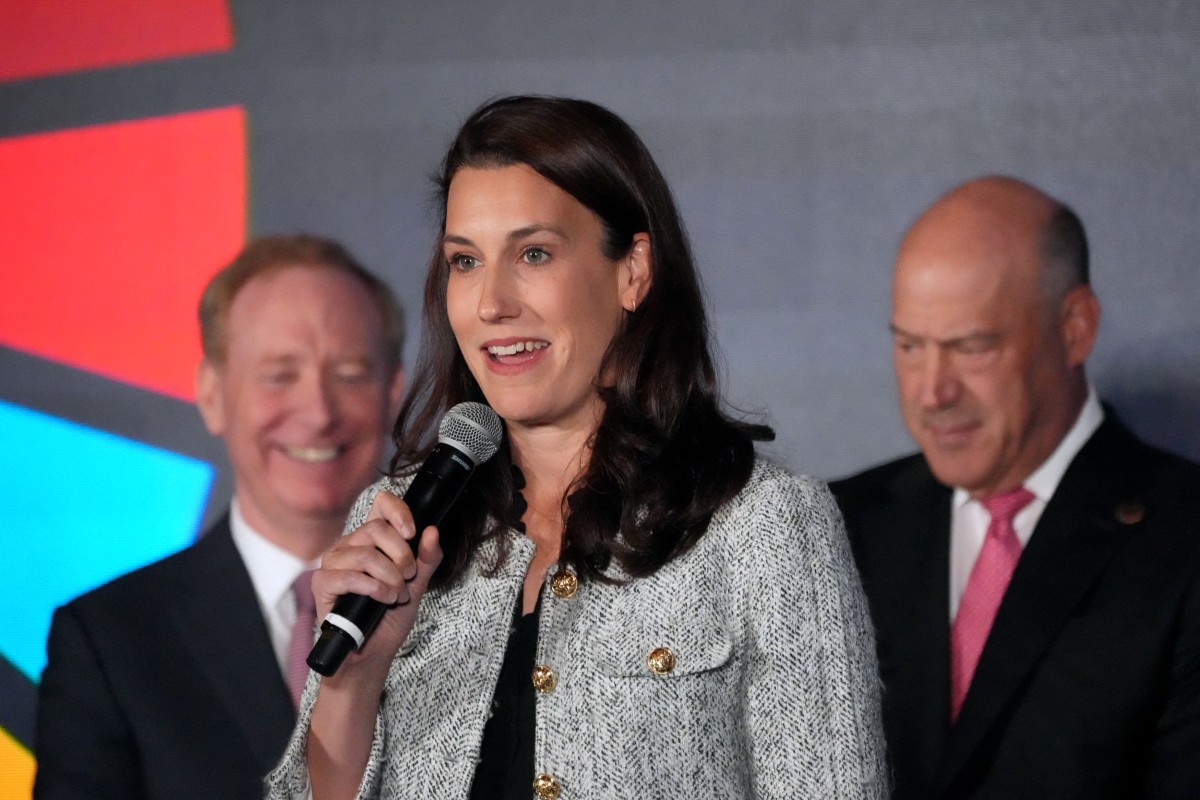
1130	513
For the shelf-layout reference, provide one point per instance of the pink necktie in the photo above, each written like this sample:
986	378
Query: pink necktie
302	635
985	588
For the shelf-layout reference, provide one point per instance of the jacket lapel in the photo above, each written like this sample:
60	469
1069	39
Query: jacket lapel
220	620
913	576
1076	537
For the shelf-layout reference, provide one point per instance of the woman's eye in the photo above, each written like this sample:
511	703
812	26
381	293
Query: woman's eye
463	263
535	255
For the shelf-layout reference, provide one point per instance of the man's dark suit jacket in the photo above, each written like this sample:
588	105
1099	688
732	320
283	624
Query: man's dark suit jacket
1089	683
163	684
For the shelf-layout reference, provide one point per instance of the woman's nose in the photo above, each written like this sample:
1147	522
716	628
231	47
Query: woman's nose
497	298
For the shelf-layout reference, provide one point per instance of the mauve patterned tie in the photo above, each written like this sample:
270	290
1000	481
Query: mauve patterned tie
985	588
302	635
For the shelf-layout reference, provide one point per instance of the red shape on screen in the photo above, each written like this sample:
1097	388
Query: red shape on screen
47	37
110	234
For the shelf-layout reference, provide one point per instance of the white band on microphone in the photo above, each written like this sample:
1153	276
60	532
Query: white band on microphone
338	621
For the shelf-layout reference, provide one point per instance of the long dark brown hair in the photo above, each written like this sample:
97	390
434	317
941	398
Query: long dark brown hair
665	454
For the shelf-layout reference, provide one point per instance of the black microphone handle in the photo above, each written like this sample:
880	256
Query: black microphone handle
433	490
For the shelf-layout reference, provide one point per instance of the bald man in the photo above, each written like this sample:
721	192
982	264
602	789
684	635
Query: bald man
1034	572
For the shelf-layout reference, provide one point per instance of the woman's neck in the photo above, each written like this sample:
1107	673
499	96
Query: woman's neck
550	461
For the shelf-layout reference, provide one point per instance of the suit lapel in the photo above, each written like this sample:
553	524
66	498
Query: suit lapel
220	620
913	576
1075	539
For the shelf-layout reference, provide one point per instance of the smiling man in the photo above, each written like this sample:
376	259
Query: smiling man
1033	573
174	681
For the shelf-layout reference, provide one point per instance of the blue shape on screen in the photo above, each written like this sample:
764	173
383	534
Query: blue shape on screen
79	507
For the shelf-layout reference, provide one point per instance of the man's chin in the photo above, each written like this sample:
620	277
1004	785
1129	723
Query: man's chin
953	472
328	508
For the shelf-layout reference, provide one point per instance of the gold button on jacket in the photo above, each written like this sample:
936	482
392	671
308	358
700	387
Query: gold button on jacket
564	583
544	679
661	660
546	787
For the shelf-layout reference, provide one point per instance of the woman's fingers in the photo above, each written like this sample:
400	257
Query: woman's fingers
393	510
377	559
429	557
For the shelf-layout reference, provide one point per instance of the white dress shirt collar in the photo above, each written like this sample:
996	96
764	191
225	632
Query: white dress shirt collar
272	572
1045	479
969	519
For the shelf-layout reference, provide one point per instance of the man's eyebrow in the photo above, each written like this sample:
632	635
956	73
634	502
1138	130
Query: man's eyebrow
954	341
898	331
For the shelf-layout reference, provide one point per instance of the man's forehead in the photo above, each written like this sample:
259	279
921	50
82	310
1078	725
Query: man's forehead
348	356
968	274
304	326
945	311
321	295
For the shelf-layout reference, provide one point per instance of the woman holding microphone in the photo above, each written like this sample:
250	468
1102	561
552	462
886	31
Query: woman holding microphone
625	601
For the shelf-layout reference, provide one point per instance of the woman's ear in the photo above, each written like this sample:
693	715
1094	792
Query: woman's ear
635	273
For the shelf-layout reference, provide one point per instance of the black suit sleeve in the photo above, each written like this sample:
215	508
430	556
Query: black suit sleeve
84	746
1173	770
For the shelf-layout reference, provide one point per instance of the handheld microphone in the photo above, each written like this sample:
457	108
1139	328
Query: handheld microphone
468	435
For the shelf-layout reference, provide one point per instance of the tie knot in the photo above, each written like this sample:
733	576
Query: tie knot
1003	507
302	588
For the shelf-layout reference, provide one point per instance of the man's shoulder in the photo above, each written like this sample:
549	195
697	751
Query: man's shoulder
1137	466
154	581
882	482
1162	459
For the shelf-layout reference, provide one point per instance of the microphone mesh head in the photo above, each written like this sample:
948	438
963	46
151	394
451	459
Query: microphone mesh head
472	428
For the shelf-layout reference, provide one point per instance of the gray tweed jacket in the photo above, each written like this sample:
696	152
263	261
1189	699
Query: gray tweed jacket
773	693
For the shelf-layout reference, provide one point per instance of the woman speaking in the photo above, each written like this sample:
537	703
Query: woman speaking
624	602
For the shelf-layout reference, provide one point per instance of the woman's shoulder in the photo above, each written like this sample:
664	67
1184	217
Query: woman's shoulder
362	506
770	481
775	498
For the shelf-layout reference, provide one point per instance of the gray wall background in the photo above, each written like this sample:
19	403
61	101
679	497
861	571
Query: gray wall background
800	139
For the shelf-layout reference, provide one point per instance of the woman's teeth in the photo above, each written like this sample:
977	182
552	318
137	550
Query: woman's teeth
513	349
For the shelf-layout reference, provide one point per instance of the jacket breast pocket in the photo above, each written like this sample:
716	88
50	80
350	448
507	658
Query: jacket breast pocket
667	702
662	655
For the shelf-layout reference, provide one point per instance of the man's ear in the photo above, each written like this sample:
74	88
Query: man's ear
636	272
1079	319
395	393
208	397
